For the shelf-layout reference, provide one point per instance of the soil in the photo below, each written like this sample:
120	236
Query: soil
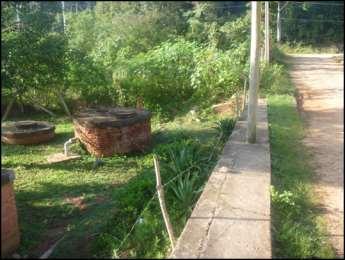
319	80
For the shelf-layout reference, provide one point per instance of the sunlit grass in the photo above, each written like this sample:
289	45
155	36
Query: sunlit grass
297	228
44	192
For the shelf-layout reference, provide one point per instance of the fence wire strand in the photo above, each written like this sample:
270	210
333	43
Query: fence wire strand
154	195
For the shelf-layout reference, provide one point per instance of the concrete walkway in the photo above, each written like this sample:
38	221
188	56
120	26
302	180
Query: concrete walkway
232	217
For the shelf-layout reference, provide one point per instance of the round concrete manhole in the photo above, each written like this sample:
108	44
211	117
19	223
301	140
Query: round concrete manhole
27	132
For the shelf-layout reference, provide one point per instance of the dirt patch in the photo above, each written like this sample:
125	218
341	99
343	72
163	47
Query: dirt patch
319	82
100	199
229	107
51	236
84	246
78	202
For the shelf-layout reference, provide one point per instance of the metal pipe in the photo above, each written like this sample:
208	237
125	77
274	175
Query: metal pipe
65	146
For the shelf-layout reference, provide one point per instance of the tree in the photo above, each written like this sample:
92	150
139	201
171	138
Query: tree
32	57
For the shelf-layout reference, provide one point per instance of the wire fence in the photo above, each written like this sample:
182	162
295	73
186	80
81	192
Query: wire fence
171	181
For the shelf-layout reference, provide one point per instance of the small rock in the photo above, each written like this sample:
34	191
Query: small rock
16	256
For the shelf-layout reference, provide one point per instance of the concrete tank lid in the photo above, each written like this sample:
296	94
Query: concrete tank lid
101	117
25	127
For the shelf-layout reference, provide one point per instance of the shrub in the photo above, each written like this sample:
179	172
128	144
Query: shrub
224	128
218	74
275	80
186	188
161	77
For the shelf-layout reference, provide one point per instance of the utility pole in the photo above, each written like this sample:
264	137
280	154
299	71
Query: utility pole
279	26
18	21
254	71
63	15
63	83
267	33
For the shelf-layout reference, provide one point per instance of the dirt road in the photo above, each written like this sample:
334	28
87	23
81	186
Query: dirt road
319	80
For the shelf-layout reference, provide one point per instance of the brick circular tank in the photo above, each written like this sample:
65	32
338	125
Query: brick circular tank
27	132
10	234
109	131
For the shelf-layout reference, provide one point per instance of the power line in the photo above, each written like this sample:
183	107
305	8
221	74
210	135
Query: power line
229	7
315	20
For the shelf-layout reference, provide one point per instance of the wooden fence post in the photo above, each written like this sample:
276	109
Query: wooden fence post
244	94
237	105
160	193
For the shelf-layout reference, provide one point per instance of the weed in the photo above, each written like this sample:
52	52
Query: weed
224	128
186	190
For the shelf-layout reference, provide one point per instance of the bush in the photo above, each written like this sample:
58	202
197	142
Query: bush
218	74
224	127
180	72
161	77
275	80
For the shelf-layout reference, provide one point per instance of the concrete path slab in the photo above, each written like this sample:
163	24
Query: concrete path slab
232	216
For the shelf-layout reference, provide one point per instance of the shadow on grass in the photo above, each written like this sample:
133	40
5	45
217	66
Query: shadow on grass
159	138
43	207
296	230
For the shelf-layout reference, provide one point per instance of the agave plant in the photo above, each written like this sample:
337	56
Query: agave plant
184	158
224	127
185	189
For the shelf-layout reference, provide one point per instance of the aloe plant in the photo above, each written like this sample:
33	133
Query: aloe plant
224	127
186	190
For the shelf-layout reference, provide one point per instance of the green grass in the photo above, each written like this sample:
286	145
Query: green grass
297	227
112	194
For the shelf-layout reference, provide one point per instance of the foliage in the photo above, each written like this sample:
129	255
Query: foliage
160	76
185	157
224	127
275	80
156	54
219	74
32	54
315	23
186	190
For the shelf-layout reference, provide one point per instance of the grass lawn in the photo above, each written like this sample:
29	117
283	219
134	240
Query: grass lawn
94	207
298	230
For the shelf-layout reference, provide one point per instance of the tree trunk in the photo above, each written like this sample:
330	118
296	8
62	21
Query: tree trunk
254	72
44	109
64	105
278	23
8	109
267	33
63	15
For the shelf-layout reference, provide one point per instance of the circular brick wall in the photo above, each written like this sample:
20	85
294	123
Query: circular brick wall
109	131
10	234
26	132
